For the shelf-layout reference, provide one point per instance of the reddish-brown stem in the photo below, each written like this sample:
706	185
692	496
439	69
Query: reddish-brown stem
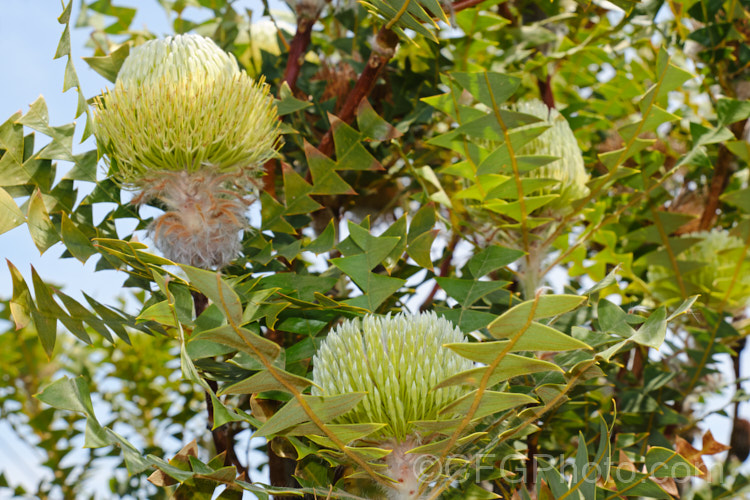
385	45
269	177
200	302
719	181
223	436
465	4
281	471
545	90
297	51
531	464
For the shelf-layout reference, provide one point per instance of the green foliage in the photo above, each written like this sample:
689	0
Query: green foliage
403	184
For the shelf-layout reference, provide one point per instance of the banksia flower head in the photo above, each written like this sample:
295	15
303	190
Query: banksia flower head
708	268
182	113
396	361
559	141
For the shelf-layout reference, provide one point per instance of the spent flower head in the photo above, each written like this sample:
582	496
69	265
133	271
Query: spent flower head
716	267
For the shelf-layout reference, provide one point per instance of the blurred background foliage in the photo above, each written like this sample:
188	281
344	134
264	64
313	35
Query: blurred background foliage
400	187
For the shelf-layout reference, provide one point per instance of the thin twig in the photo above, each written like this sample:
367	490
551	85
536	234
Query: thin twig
297	50
464	4
532	440
719	180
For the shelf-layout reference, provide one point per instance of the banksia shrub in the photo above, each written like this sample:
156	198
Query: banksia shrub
185	126
396	361
715	267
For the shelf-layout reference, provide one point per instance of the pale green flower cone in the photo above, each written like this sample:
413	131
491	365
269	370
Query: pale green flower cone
708	268
186	126
396	360
557	141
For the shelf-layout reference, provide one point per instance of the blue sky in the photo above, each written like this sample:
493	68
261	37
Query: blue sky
29	33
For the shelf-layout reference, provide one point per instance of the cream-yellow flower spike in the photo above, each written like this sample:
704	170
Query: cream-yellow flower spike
182	104
185	125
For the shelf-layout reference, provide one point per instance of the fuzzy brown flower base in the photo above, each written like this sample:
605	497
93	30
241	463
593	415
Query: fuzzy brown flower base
204	214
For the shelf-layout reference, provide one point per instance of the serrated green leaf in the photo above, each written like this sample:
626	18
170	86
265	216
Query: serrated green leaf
21	304
322	169
75	241
423	221
41	229
296	193
345	432
635	484
519	316
440	446
10	214
492	258
325	408
510	366
350	153
466	291
419	248
539	337
70	394
661	462
654	330
210	284
613	319
378	288
161	312
556	482
500	160
372	126
491	402
514	210
739	198
732	110
272	215
468	320
108	66
243	340
267	381
324	242
489	88
288	104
